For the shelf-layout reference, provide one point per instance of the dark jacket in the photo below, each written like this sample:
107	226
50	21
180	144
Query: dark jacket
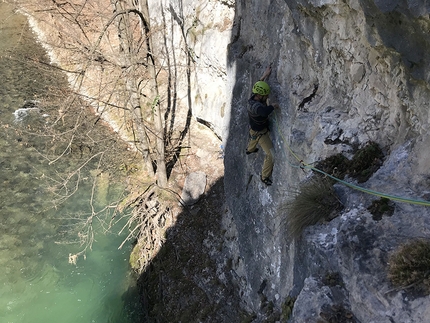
258	113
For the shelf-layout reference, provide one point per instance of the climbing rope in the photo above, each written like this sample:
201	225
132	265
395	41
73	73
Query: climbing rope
304	165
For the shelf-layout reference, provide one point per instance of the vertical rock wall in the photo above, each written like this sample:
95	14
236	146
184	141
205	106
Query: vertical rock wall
192	44
345	73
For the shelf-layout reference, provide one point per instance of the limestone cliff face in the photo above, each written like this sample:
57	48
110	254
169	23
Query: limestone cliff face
193	38
344	73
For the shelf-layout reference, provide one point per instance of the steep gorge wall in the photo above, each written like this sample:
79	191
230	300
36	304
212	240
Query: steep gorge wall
345	73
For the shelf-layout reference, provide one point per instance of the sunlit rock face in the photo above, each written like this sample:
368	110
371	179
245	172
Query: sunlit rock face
191	41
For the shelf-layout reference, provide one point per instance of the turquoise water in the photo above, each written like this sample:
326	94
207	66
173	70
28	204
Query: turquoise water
37	282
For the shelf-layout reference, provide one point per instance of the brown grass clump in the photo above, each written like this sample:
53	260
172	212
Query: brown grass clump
409	266
315	202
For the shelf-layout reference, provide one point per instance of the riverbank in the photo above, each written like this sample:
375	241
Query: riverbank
52	36
187	278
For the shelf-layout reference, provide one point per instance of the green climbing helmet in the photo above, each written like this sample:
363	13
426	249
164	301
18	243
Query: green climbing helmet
261	88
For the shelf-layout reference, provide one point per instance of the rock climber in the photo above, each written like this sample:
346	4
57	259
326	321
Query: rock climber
258	112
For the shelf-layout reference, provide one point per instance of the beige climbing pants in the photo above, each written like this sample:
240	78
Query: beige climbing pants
263	139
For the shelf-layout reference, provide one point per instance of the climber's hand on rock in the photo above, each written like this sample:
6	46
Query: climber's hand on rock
266	73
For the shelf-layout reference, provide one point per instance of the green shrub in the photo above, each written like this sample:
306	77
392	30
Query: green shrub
332	279
287	308
381	207
315	202
336	313
409	266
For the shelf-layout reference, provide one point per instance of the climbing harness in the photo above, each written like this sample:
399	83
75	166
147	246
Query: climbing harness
258	136
302	165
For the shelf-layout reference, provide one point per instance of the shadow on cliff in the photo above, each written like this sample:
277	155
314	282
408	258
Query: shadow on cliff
190	279
187	280
252	204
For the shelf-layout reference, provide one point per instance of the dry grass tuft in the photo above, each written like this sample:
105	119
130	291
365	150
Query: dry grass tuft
314	203
409	266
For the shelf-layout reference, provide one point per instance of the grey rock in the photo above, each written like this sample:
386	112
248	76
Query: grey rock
194	188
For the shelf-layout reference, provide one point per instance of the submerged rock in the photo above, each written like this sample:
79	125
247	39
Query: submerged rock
26	110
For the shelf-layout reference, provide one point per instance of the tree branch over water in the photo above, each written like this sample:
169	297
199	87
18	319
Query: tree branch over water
107	54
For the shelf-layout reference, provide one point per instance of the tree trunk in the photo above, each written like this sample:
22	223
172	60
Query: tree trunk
158	120
135	103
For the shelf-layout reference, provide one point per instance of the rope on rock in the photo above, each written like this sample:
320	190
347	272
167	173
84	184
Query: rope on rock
304	165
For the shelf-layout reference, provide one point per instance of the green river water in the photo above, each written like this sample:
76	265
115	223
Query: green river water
37	282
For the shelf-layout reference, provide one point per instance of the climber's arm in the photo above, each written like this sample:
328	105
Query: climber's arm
266	73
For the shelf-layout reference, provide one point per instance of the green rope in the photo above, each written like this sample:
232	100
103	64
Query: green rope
356	187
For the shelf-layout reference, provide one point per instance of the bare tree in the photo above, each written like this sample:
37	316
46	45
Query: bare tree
132	51
107	52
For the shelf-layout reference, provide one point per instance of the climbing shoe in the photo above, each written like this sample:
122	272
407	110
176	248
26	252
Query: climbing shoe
251	152
266	181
